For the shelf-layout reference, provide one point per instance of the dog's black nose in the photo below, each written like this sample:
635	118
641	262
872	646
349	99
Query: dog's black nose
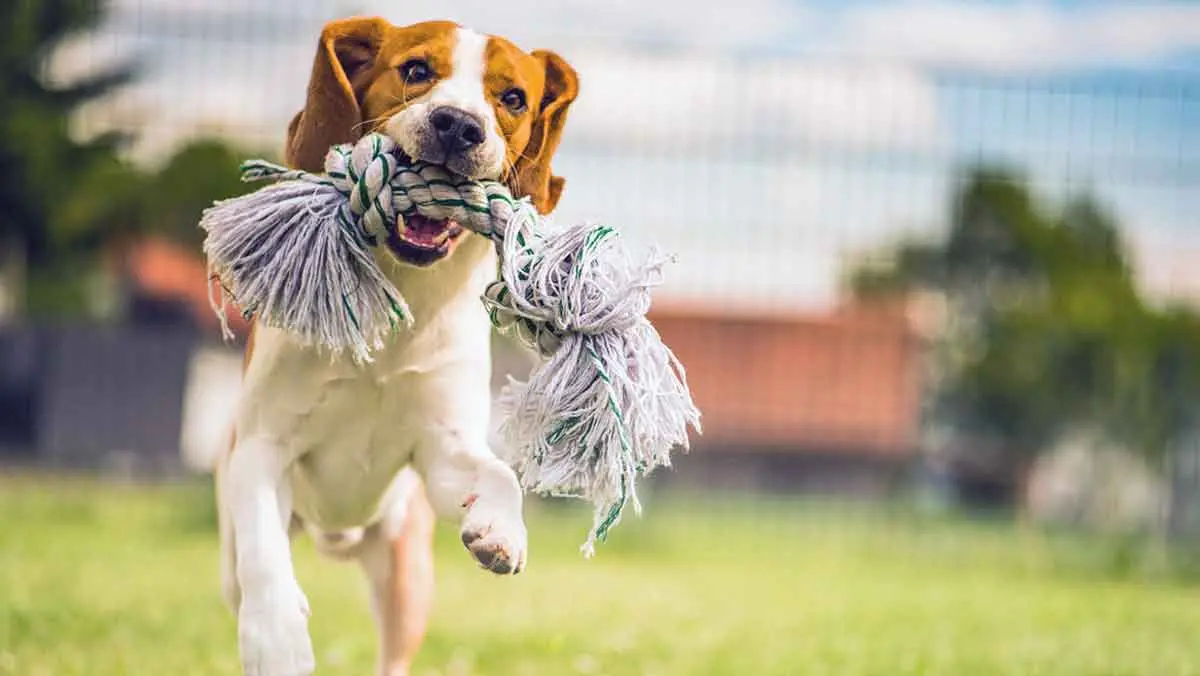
456	130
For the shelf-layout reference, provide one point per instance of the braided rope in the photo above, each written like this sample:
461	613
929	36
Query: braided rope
608	401
379	189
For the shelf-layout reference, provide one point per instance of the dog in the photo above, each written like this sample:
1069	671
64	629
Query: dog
365	458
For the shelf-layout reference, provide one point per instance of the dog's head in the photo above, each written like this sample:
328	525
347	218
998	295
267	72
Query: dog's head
475	103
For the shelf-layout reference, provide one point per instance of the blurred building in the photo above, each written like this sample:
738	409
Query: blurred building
165	282
114	395
789	401
822	402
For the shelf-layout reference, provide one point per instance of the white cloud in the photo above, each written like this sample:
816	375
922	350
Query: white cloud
775	233
1003	36
774	230
82	55
1167	261
1024	36
699	93
538	24
1158	223
652	102
185	91
694	99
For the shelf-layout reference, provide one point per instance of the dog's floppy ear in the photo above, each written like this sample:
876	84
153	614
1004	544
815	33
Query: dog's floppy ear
331	113
531	173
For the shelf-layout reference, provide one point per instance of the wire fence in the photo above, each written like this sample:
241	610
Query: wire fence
824	155
767	174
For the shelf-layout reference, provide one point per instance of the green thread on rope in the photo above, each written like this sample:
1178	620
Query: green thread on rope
350	311
614	514
355	229
561	429
597	235
397	309
618	506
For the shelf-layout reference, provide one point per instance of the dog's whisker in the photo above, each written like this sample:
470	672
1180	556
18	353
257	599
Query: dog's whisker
362	125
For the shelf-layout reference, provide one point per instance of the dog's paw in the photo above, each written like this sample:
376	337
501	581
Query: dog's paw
273	634
498	541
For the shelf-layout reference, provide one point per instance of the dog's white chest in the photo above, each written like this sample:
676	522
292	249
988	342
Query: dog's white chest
342	428
355	436
346	430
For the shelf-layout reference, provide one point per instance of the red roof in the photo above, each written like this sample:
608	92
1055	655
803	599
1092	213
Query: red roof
163	269
847	381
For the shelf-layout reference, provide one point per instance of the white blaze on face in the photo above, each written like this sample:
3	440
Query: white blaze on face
464	87
464	90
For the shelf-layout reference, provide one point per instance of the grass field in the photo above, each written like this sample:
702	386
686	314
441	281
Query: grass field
98	580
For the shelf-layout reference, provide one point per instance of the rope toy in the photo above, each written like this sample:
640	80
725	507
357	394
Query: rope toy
607	401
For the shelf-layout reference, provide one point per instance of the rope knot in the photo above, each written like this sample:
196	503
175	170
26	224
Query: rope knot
555	283
362	172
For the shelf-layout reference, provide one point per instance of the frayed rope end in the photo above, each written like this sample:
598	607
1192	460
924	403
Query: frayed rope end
290	255
610	401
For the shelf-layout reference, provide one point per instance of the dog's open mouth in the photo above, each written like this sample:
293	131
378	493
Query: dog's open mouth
423	241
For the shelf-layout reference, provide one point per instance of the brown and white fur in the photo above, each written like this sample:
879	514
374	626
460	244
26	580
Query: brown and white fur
364	457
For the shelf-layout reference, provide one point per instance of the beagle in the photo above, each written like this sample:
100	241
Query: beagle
364	457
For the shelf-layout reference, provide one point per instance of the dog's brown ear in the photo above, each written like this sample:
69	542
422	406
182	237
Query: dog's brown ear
331	113
532	175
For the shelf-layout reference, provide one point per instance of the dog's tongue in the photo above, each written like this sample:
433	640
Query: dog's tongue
419	229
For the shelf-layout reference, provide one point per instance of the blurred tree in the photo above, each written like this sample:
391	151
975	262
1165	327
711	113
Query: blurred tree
43	169
1046	330
198	173
66	202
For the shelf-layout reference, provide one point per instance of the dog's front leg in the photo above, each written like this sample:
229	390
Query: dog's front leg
273	612
463	478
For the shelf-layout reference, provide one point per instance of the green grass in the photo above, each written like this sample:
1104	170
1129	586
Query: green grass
100	580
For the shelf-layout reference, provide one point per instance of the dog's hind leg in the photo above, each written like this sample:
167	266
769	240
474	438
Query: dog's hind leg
231	593
397	556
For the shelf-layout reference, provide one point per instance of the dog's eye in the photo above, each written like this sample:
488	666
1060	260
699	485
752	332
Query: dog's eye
416	71
514	100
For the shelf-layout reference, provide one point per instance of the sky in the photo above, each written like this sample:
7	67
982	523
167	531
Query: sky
765	142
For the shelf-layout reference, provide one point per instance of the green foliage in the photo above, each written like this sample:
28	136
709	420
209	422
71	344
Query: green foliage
197	174
65	201
1048	328
40	162
105	205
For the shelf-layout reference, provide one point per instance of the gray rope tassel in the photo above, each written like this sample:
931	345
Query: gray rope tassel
609	400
